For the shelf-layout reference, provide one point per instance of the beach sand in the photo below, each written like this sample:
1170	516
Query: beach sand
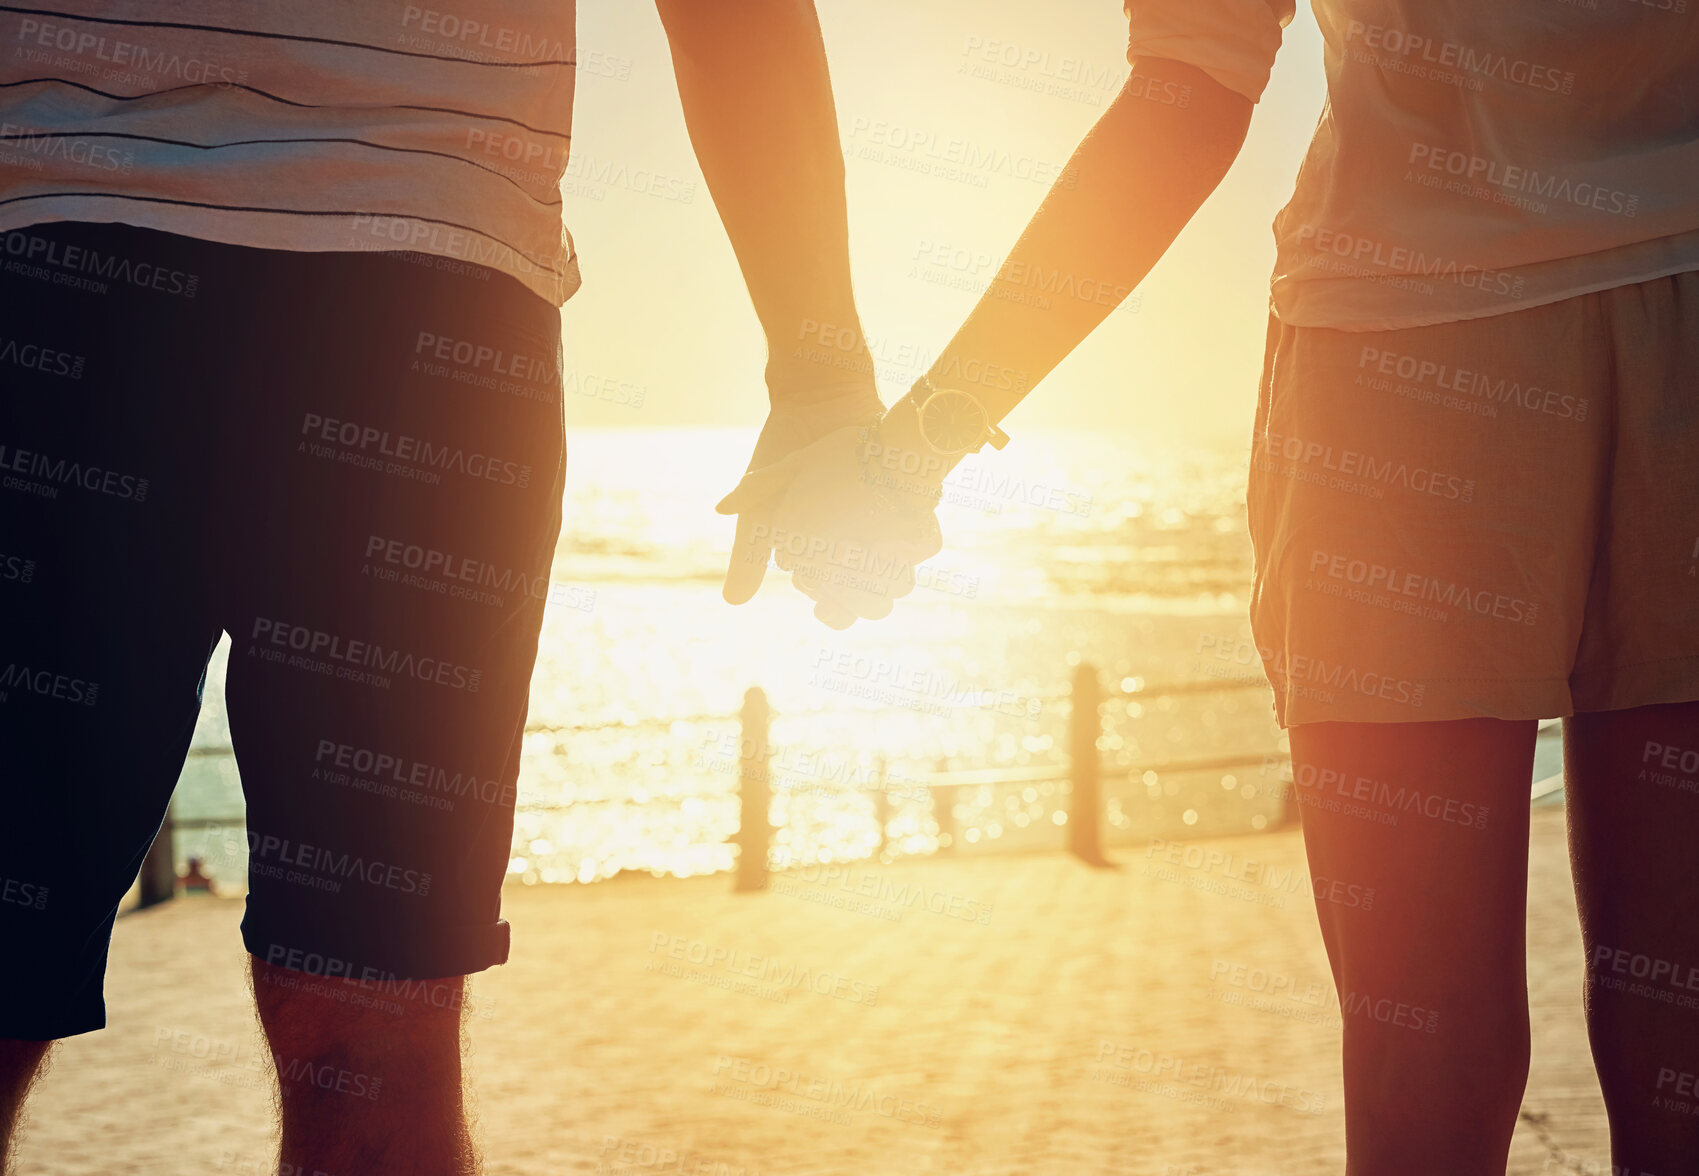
1002	1014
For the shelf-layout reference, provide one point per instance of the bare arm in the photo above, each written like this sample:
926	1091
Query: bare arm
757	100
1133	183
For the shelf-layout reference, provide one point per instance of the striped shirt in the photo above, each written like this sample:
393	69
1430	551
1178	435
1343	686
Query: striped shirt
308	125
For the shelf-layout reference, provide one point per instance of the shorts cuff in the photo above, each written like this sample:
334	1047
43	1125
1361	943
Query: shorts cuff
1654	683
42	1015
1429	701
433	955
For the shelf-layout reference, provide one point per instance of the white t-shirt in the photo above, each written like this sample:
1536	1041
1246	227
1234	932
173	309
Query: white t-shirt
1474	156
298	124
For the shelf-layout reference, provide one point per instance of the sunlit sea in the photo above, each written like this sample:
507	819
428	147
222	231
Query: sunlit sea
1065	546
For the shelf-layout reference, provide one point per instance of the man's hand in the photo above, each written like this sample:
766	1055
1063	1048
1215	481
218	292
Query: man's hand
849	543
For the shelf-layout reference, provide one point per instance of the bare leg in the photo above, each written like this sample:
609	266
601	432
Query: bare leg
1633	779
367	1088
20	1065
1430	968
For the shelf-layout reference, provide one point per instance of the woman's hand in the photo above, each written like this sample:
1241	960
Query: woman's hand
821	513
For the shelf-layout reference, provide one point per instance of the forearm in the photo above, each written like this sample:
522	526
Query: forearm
1129	189
757	98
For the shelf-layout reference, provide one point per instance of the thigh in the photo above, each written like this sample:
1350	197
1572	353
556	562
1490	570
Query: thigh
106	615
1417	837
403	461
1632	779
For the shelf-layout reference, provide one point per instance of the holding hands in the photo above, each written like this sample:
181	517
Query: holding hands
826	499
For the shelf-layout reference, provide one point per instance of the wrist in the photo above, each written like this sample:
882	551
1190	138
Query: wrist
896	457
801	414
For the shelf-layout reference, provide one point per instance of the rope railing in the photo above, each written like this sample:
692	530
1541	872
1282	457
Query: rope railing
1081	819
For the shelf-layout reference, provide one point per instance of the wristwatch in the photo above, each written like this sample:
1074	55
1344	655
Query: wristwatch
953	422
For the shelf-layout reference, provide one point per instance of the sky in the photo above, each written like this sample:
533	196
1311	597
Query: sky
662	333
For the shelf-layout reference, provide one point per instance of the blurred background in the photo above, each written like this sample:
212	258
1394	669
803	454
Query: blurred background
1113	528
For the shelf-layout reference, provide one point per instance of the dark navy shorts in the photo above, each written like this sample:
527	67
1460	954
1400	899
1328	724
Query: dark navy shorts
352	463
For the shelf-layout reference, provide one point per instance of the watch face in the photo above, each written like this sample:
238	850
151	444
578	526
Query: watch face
952	422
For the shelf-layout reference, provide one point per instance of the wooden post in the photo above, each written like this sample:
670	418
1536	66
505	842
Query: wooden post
944	810
882	809
1085	804
158	877
754	783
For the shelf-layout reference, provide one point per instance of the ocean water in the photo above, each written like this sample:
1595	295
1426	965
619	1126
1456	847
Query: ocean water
1069	546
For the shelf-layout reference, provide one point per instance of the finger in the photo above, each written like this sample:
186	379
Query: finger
752	547
765	483
859	592
755	490
834	616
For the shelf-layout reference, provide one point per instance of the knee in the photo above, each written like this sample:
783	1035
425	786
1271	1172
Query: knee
338	1004
1463	1072
343	1035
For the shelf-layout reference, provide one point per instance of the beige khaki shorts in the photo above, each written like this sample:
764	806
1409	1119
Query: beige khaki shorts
1497	517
